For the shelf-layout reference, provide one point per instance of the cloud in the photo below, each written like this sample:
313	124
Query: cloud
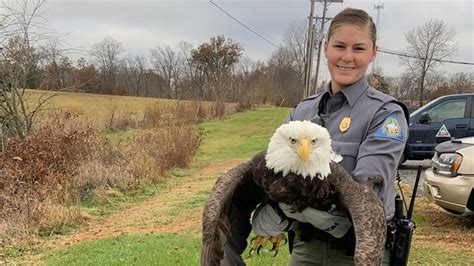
143	24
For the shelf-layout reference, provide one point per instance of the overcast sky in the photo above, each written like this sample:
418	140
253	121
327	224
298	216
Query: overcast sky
143	24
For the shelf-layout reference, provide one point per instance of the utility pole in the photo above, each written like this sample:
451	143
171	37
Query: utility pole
310	45
378	7
309	52
320	44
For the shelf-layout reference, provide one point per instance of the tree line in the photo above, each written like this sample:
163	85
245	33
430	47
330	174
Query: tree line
33	58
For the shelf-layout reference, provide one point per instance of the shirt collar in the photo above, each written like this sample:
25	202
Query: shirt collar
352	92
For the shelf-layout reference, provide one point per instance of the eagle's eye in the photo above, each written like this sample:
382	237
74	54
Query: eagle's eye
292	140
314	141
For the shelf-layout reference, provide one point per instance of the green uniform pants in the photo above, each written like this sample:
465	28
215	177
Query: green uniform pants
317	252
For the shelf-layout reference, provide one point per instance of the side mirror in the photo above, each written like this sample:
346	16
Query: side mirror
424	118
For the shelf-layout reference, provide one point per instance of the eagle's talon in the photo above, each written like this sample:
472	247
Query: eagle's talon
259	242
275	253
258	249
273	247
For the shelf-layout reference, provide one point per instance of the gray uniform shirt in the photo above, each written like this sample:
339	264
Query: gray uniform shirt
373	143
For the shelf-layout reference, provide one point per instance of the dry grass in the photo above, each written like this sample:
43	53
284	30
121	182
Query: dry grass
436	227
98	109
40	173
66	160
159	115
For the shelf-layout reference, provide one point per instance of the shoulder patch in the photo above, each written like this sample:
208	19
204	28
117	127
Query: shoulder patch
390	129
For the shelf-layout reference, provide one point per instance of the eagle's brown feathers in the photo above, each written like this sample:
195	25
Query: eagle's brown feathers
299	168
226	219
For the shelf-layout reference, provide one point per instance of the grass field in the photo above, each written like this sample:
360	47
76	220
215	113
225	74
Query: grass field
94	107
165	229
97	108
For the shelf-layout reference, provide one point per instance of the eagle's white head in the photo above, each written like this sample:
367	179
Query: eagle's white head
301	147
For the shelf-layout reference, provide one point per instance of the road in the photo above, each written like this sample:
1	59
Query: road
408	173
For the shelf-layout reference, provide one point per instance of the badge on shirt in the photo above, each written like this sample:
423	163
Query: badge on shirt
345	124
390	129
443	132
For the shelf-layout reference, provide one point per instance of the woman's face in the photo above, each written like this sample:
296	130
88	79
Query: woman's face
349	52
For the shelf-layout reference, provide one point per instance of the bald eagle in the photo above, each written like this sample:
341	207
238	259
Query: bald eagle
299	169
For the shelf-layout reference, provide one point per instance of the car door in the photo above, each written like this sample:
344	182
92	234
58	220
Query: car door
447	119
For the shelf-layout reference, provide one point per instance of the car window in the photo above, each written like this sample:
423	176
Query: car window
454	108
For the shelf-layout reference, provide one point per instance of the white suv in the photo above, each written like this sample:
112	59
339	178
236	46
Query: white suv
449	182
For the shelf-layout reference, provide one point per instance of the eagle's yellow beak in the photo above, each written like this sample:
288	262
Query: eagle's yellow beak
304	149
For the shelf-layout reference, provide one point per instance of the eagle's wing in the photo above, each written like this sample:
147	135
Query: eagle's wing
226	217
368	216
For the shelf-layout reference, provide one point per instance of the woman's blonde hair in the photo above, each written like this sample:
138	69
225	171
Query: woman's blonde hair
353	16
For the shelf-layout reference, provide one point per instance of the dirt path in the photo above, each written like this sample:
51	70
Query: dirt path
149	216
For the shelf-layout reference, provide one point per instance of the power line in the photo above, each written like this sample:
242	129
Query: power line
243	25
382	50
392	52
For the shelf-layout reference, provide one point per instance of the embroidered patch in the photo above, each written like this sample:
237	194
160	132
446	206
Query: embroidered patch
443	132
390	129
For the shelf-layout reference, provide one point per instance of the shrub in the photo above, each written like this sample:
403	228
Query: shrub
156	150
42	169
122	121
63	161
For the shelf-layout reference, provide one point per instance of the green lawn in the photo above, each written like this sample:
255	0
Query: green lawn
240	135
166	249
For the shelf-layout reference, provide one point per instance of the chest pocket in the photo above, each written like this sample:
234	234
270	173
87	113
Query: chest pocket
348	151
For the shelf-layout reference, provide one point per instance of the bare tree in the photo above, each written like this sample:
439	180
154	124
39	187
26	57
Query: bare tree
287	81
294	40
430	43
56	67
134	68
460	82
404	88
193	72
169	64
434	80
378	80
107	56
22	27
186	49
23	18
254	83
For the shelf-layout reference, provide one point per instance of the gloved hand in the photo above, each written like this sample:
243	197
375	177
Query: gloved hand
334	222
267	222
